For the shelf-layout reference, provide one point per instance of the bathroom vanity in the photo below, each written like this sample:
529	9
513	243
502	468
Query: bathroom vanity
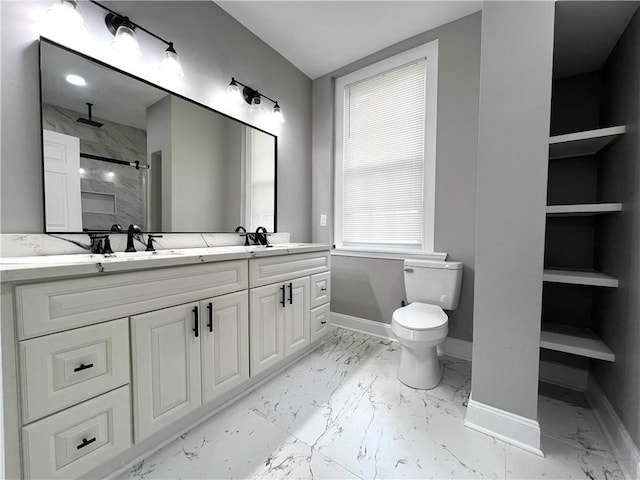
117	355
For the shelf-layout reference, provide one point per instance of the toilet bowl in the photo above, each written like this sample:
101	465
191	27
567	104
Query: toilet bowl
422	325
420	328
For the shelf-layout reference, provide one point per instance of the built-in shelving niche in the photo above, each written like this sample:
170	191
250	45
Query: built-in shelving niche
571	272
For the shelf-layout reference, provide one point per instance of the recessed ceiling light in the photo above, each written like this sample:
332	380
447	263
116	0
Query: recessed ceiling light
75	80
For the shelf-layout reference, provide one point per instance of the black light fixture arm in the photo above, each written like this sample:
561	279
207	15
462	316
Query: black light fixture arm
116	15
250	92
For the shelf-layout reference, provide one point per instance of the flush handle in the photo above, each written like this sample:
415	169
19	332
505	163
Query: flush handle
408	270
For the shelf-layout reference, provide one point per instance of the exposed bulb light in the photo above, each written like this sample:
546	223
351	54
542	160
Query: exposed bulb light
82	171
254	99
234	95
66	14
277	114
256	107
75	80
111	174
170	64
125	42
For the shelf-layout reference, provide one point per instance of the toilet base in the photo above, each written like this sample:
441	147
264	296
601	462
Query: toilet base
420	368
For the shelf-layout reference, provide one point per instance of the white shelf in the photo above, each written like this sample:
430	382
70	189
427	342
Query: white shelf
579	277
574	340
583	143
583	209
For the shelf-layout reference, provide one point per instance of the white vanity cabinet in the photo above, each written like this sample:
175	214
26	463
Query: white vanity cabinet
107	360
281	298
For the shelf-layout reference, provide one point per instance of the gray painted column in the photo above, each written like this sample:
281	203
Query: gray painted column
515	102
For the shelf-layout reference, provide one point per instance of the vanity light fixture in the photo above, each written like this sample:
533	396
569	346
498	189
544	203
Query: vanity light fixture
254	99
126	43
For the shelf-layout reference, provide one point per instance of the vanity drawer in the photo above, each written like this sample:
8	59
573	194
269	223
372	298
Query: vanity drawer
267	270
60	370
320	317
74	441
48	307
320	289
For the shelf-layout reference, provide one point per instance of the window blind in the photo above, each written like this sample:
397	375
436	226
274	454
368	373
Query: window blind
383	159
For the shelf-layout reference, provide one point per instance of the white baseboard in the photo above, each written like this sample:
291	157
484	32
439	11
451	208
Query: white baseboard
624	448
519	431
451	347
550	372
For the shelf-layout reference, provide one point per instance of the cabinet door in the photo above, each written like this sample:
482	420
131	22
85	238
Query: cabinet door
266	324
225	343
296	315
166	367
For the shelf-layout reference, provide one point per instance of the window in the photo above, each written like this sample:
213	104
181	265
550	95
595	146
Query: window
385	154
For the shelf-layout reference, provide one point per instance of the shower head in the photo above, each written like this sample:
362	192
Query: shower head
89	121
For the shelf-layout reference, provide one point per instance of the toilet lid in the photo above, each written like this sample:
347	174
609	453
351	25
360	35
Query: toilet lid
420	316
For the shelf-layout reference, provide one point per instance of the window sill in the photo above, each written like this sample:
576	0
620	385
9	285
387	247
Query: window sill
388	255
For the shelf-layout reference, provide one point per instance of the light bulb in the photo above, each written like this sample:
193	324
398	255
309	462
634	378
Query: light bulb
234	95
277	114
256	107
171	64
66	14
126	43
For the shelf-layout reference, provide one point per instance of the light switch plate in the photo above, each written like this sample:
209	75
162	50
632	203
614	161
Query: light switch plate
323	220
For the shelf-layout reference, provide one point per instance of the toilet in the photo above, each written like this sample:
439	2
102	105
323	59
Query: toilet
431	287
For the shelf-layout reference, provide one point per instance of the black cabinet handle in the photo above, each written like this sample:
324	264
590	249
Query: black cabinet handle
210	323
282	301
86	442
195	321
323	289
322	323
83	367
290	293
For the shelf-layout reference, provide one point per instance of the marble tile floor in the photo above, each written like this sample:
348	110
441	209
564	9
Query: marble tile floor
341	413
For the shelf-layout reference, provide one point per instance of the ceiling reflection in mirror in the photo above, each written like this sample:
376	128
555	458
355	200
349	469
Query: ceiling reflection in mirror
118	150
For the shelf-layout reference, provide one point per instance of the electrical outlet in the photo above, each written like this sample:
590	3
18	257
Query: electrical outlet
323	220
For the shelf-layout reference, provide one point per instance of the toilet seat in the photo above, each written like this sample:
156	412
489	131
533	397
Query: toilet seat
420	317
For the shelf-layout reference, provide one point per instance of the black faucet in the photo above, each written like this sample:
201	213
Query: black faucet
261	236
132	232
243	234
96	243
150	242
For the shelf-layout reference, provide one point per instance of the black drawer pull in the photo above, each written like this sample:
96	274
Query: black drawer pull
195	321
323	289
86	442
322	323
282	301
210	323
290	293
83	367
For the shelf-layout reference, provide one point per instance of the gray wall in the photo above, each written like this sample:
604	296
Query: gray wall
618	311
515	97
212	47
373	288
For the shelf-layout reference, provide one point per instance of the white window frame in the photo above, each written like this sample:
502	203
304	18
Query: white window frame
429	52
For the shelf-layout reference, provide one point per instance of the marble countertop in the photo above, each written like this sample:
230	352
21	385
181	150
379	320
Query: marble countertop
41	267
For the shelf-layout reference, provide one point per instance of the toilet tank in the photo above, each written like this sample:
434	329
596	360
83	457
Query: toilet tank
433	282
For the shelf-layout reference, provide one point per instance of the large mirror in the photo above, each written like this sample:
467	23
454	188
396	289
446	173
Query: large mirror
118	150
